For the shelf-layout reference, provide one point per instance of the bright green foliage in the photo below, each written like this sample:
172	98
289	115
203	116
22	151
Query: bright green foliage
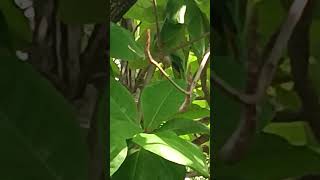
169	146
161	150
146	165
123	124
160	101
185	126
123	45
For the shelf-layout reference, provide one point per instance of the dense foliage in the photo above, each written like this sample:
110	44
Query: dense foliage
160	91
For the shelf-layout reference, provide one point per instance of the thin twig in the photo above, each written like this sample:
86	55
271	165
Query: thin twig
192	85
152	61
202	65
270	66
287	28
238	96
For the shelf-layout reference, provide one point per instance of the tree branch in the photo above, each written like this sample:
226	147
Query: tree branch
152	61
270	66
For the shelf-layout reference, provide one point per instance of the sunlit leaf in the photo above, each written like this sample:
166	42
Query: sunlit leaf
144	165
171	147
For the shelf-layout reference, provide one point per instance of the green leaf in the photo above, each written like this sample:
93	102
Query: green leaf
194	112
184	126
197	26
39	131
272	158
123	46
118	154
18	25
114	68
178	66
143	165
293	132
83	11
172	35
143	10
159	102
175	11
123	123
204	6
171	147
288	98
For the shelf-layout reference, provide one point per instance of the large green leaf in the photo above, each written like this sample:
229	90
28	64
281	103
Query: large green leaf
171	147
197	26
172	35
272	158
17	24
204	6
123	46
184	126
83	11
123	123
159	102
143	10
39	133
175	11
143	165
294	132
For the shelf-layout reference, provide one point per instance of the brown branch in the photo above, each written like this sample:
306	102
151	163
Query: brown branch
187	100
270	66
201	67
240	97
239	142
152	61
